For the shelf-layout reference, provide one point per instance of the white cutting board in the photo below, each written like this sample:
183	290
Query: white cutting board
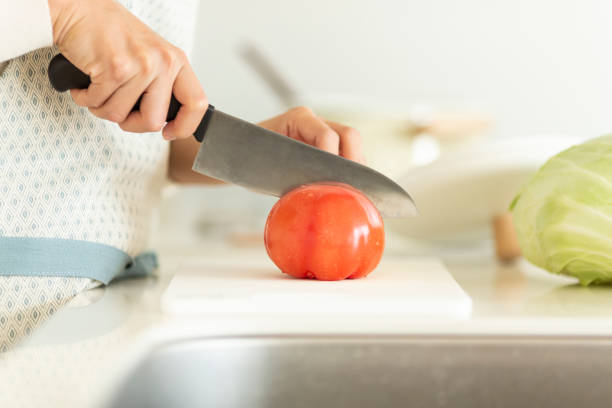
409	287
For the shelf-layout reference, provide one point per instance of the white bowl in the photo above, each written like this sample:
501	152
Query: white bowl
458	195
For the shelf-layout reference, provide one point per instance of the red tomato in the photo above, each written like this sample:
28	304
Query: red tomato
325	232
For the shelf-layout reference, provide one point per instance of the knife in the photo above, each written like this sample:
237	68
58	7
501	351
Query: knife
248	155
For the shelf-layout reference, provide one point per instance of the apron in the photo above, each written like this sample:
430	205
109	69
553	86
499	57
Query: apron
76	192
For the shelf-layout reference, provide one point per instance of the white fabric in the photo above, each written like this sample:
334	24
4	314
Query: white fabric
25	25
67	174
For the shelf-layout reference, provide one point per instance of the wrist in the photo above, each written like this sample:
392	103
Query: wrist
59	18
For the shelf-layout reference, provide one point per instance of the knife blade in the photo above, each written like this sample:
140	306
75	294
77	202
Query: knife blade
242	153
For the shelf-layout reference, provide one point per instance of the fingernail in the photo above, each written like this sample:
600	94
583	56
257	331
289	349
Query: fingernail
169	138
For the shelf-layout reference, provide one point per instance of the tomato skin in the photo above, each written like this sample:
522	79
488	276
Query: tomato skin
325	232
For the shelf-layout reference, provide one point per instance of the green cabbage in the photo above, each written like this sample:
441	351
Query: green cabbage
563	215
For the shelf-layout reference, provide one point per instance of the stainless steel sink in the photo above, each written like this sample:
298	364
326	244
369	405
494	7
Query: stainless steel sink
373	372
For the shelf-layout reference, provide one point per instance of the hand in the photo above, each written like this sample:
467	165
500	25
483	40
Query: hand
126	59
298	123
303	125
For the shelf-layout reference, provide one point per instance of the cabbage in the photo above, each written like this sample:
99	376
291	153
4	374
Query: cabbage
563	215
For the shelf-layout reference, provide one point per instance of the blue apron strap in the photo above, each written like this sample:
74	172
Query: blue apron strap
21	256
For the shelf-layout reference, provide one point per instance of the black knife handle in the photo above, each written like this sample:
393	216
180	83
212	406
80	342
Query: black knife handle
64	76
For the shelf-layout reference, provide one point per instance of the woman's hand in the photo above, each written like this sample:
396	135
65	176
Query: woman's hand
302	124
298	123
126	59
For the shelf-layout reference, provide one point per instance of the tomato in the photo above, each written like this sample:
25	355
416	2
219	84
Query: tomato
325	232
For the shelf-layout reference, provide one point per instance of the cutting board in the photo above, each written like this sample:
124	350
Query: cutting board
409	287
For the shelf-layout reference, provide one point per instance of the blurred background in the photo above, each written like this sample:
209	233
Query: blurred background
457	101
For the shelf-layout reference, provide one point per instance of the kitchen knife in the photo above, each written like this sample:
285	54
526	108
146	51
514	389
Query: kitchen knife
242	153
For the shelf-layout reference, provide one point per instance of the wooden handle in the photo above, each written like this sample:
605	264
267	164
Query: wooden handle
506	241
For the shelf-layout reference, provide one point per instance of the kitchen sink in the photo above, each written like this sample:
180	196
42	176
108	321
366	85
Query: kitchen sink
365	371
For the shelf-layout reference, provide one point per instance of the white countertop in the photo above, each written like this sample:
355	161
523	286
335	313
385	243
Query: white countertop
82	351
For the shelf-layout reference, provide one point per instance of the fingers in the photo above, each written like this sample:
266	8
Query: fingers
326	135
102	87
95	95
188	91
305	125
118	106
350	142
156	84
150	75
153	109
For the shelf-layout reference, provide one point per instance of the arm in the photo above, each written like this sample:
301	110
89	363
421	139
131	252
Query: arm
25	25
298	123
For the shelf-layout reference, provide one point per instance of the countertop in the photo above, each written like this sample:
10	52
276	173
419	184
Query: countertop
79	355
